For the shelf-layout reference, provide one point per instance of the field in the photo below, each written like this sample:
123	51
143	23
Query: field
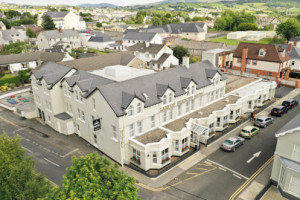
236	42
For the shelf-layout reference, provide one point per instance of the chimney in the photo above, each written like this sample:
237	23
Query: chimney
186	62
244	60
290	47
147	44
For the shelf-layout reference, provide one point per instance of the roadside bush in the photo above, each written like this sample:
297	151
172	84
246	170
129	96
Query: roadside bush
3	88
15	80
12	85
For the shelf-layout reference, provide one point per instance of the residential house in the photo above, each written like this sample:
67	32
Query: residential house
196	48
100	41
2	26
70	39
286	165
132	38
65	20
295	41
157	56
131	114
294	53
17	62
264	20
192	31
221	58
261	60
12	36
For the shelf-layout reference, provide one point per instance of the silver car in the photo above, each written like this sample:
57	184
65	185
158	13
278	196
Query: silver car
231	143
263	121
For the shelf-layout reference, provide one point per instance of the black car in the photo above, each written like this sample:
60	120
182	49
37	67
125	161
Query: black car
290	103
279	110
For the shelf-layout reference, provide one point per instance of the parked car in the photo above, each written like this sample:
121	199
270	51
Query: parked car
290	103
231	143
263	121
249	131
279	110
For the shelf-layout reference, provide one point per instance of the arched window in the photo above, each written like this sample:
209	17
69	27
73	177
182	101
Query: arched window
139	108
130	111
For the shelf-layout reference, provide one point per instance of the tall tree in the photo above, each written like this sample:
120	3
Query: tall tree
17	179
180	51
48	23
94	177
288	29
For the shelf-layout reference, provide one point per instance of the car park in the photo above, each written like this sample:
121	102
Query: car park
290	103
279	110
231	143
249	131
263	121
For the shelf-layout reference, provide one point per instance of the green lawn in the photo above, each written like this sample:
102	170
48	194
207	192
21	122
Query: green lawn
236	42
7	76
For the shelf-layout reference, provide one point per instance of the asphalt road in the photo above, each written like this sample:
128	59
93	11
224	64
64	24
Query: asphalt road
220	174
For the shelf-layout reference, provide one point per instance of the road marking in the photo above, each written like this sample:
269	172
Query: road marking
27	149
228	169
52	162
190	173
208	162
69	153
237	176
10	122
222	169
256	155
240	189
201	168
20	129
207	165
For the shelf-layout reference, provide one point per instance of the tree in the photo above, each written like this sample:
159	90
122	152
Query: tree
288	29
98	24
30	33
13	48
48	23
94	177
17	178
23	76
6	22
156	21
64	10
180	51
247	27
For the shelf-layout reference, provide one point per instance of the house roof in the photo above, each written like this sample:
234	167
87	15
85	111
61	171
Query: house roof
51	72
101	61
28	57
140	36
200	45
290	127
272	52
56	14
141	47
294	53
162	58
63	116
119	95
178	28
66	33
100	38
6	34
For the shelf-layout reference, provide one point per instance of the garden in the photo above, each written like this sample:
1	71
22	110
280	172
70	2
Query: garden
8	81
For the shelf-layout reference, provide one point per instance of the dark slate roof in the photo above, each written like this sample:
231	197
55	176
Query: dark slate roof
178	28
295	39
294	123
103	38
141	47
66	33
86	81
63	116
56	14
295	53
119	94
200	45
101	61
130	30
140	36
51	72
162	58
28	57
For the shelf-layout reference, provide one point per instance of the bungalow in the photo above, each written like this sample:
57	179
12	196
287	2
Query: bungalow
132	38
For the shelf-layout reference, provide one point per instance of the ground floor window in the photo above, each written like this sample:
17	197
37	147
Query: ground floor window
218	122
154	156
249	104
136	156
165	156
185	144
211	128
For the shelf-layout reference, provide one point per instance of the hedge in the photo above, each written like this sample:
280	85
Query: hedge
14	79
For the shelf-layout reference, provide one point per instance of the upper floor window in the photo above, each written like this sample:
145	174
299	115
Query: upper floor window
76	93
130	110
170	97
94	104
262	52
152	121
139	108
188	91
165	99
115	132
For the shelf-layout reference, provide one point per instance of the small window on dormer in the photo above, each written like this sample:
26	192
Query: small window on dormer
193	89
139	108
165	99
130	110
170	97
262	52
188	91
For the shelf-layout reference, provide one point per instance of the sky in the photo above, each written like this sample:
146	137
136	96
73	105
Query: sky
76	2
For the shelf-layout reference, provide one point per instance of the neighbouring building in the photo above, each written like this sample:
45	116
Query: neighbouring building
140	117
157	56
294	53
12	35
264	20
65	20
250	35
17	62
286	165
295	41
68	38
99	41
192	31
261	60
132	38
221	58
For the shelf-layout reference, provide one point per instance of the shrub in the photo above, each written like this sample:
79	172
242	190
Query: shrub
14	79
3	88
12	85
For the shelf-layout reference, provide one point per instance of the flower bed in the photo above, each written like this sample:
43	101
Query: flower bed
185	148
137	161
165	160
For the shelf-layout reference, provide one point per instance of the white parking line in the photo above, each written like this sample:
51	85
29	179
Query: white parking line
27	149
237	176
222	169
69	153
228	169
20	129
52	162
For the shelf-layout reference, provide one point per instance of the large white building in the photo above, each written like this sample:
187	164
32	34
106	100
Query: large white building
140	117
65	20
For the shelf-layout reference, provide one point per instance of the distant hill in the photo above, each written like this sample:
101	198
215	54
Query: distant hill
100	5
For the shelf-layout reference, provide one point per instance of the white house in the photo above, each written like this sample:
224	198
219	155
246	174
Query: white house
13	35
65	20
132	38
250	35
157	56
99	41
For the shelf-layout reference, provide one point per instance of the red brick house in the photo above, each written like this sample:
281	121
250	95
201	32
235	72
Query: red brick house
262	60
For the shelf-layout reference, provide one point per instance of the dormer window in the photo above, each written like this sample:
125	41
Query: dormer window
170	97
262	52
165	99
139	108
193	89
130	110
188	91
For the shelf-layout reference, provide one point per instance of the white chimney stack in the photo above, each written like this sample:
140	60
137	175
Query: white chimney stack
147	44
186	62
